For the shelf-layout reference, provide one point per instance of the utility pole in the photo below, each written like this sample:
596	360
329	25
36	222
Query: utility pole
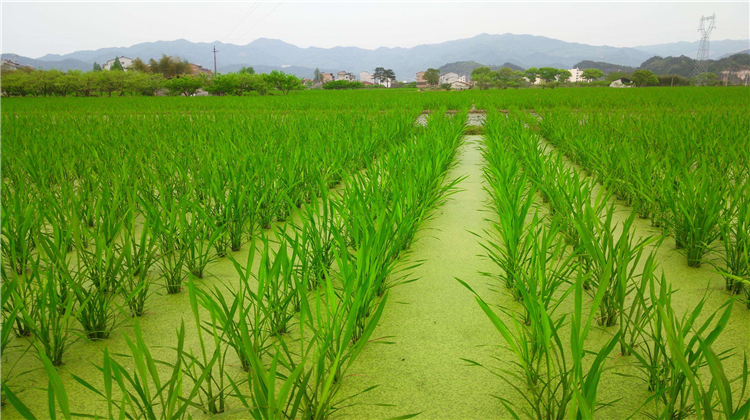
215	60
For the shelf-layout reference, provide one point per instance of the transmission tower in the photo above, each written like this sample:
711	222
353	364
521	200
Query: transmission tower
708	24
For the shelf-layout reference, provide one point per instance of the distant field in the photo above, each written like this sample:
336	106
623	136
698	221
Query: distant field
576	252
642	99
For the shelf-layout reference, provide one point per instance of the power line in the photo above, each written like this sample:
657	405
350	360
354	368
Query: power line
261	20
252	8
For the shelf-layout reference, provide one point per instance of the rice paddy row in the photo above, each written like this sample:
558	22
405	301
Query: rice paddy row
85	248
546	258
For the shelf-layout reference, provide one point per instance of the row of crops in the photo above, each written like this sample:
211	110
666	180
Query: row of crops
695	189
572	264
717	100
104	216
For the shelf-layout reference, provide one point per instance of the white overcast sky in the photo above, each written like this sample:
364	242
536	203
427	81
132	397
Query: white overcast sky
33	29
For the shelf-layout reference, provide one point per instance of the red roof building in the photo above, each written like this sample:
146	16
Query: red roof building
197	69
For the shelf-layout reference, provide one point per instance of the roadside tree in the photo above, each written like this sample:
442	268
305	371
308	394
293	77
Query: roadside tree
260	83
382	74
42	82
284	82
68	83
14	83
482	77
548	74
105	82
531	74
643	78
318	76
432	76
89	83
222	84
506	77
592	74
186	85
139	66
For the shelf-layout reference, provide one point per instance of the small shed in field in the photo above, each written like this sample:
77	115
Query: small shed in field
621	83
457	85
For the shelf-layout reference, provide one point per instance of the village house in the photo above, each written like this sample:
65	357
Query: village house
342	75
327	77
451	77
14	65
576	75
124	61
365	77
421	82
197	69
386	82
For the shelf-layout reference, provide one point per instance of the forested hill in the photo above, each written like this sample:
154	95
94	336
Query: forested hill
605	67
684	66
681	66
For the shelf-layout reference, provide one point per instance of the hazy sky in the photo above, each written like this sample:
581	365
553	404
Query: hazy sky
33	29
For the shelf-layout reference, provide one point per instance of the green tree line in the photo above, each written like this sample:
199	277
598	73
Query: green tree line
507	77
247	81
141	82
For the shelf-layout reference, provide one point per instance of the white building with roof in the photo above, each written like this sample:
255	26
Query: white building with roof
451	77
125	61
365	76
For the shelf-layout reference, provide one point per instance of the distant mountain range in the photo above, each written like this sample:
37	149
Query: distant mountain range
65	64
718	48
270	54
739	52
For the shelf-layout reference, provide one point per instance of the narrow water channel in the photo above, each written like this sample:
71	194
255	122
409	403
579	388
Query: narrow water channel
434	322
